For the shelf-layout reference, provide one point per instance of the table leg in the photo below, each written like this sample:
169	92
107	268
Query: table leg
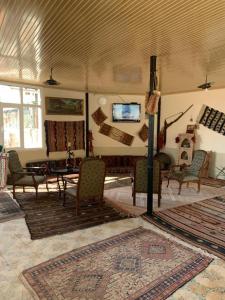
58	183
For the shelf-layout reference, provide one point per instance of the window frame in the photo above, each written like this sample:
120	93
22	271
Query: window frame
21	106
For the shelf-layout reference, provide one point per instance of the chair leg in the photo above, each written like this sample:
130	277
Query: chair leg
47	186
134	198
64	198
168	181
180	184
199	184
77	207
159	199
36	190
23	189
14	191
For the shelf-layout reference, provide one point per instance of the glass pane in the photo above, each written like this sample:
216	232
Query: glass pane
31	96
10	94
11	126
32	127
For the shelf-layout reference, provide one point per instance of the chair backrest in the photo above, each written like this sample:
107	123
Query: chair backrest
91	179
14	164
141	174
197	162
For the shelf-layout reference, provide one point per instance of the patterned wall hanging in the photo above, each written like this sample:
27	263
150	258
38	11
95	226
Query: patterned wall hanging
213	119
116	134
59	134
143	133
98	116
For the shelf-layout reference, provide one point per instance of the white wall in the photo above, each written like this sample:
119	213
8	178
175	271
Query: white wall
105	145
171	104
206	139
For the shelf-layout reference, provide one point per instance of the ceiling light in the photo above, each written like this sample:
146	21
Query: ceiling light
51	81
206	85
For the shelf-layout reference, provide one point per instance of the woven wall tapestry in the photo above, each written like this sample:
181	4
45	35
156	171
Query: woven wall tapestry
99	116
143	133
59	134
116	134
213	119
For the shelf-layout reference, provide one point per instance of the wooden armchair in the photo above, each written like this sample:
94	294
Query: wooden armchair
192	173
23	176
140	179
90	185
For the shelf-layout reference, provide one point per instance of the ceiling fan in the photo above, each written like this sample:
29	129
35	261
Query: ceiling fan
51	81
206	85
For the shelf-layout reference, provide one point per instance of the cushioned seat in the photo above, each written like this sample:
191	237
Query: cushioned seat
28	180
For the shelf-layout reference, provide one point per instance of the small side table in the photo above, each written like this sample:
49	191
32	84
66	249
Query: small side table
60	173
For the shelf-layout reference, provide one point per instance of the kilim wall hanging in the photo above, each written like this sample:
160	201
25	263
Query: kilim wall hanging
213	119
59	134
143	133
98	116
116	134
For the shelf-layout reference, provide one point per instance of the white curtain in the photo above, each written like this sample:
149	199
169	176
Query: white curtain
3	168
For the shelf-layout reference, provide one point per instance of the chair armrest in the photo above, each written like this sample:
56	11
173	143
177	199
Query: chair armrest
25	173
35	168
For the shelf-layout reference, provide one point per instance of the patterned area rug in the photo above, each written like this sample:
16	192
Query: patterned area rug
9	210
137	264
47	216
201	223
213	182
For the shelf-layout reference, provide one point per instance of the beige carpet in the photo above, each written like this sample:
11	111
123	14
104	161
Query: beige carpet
122	197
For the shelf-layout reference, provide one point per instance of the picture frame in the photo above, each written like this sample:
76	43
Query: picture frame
64	106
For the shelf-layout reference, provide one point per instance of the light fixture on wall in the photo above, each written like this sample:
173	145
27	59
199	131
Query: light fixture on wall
206	85
51	81
102	101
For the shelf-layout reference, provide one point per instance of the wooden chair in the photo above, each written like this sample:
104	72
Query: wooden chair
90	184
192	173
140	179
23	176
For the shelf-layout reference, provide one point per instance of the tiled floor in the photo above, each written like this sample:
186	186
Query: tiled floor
122	196
18	252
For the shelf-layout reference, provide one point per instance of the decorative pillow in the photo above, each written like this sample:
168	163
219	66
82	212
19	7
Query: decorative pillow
99	116
143	133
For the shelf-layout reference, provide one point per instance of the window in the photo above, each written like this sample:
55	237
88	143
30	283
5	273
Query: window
21	117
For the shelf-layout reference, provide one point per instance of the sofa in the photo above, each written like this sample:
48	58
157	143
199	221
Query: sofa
120	163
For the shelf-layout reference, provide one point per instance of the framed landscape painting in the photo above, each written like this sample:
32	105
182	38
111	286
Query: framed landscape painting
64	106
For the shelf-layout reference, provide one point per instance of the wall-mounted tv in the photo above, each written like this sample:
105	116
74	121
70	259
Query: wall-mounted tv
126	112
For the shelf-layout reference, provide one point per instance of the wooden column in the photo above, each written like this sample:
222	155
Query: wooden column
87	123
151	139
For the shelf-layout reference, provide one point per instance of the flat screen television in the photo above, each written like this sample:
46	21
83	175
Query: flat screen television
126	112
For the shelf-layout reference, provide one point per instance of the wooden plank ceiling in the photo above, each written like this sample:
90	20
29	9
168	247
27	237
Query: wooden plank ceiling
105	45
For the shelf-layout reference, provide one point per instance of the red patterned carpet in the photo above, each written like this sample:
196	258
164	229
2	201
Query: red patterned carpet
201	224
137	264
